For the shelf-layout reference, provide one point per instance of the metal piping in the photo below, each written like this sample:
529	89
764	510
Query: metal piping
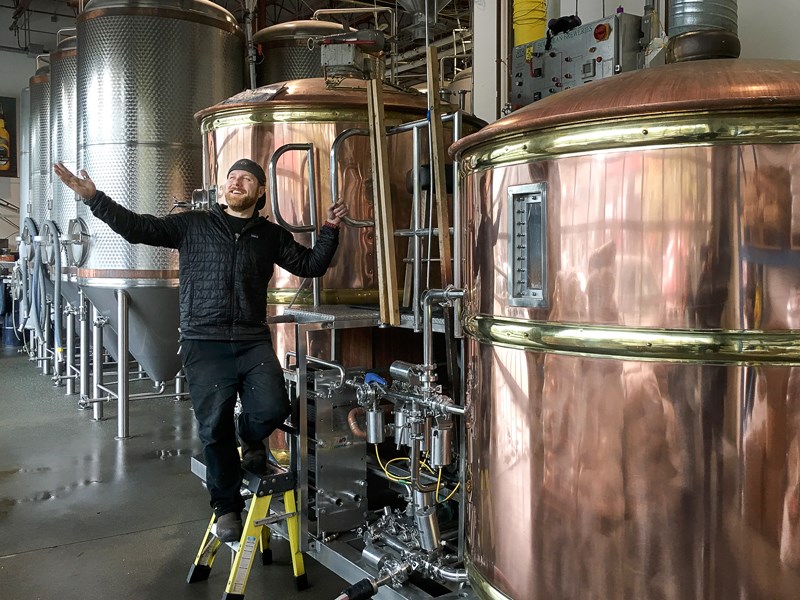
97	365
445	573
84	341
122	364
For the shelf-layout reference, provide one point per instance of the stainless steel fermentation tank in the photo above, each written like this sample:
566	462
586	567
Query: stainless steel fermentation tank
63	133
144	69
286	50
40	198
24	156
633	284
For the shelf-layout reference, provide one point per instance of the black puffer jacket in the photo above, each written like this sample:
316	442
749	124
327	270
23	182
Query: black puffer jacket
223	278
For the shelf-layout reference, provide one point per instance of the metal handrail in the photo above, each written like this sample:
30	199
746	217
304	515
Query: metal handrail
347	133
312	199
319	361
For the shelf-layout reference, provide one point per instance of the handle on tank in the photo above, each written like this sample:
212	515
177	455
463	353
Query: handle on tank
347	133
312	187
323	363
73	31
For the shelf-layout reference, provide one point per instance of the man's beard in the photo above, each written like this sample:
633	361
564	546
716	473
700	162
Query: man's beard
240	202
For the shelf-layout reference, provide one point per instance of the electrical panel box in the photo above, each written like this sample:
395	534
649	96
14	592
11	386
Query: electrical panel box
587	53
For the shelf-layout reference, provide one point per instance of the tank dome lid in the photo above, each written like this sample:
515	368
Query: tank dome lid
201	9
723	85
313	93
294	30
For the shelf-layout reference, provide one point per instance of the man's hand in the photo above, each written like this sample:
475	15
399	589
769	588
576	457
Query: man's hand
336	212
83	186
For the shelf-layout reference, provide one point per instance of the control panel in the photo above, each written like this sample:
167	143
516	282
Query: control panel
587	53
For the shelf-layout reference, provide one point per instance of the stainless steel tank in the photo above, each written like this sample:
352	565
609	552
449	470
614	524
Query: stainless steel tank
64	147
145	68
286	52
633	279
40	164
24	155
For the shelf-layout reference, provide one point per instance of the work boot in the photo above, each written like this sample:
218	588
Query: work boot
229	527
254	457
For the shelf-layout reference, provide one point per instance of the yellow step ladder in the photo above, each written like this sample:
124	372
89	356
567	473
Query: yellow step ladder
255	532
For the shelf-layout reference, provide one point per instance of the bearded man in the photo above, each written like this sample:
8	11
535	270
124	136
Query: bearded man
227	256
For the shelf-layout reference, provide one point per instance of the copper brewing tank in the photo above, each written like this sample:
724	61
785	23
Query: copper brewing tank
256	123
633	281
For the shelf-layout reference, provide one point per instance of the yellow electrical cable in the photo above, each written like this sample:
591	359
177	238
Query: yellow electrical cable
384	467
455	489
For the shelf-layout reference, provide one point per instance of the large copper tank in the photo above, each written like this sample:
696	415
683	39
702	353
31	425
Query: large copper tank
40	167
144	69
633	394
256	123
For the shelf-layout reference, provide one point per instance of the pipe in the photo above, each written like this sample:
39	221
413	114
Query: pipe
428	377
698	15
251	48
97	365
445	573
122	365
84	341
353	423
702	29
70	366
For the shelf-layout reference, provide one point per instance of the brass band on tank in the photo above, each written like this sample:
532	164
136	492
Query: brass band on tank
479	583
300	114
631	343
679	130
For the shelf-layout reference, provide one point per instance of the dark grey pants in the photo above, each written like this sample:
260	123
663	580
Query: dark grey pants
216	373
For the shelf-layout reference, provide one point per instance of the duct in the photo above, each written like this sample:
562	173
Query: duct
530	20
702	29
424	14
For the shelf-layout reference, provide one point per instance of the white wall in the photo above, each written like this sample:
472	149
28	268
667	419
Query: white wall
15	71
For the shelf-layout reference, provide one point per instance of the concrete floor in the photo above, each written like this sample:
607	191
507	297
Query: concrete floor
83	515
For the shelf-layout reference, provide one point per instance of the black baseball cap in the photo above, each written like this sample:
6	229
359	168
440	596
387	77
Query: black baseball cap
245	164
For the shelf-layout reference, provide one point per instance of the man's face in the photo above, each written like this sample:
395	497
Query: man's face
242	190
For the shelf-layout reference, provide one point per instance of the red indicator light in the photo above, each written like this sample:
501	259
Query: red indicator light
601	32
